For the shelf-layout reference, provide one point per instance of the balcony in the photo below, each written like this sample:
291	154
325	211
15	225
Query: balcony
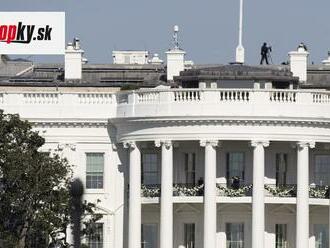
271	190
225	103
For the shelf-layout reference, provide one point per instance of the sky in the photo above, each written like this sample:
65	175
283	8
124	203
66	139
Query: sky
208	28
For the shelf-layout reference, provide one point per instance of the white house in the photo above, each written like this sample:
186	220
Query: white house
239	157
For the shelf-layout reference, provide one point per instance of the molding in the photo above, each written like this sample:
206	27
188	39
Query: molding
304	144
167	143
213	143
129	144
255	143
230	121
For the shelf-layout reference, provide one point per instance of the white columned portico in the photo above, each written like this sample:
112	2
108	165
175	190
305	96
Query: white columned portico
258	201
166	199
134	212
210	204
302	218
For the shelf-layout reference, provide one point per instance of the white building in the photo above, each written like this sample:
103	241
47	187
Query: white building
202	147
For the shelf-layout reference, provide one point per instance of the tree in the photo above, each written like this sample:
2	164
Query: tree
34	188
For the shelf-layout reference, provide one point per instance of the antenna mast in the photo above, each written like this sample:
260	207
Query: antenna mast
240	49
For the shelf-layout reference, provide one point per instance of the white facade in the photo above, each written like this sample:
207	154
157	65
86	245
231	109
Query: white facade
191	138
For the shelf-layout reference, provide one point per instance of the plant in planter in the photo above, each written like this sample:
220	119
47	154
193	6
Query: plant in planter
183	190
281	191
234	192
321	192
150	191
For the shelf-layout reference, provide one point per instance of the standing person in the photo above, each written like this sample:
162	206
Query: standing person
264	53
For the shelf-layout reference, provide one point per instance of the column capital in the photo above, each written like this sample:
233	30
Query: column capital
167	143
213	143
255	143
129	144
304	144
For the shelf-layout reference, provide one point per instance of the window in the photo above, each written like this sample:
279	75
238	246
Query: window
96	239
281	168
94	170
150	173
190	167
235	235
322	169
235	166
321	233
281	236
149	236
189	235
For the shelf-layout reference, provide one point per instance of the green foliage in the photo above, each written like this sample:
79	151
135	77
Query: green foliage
34	187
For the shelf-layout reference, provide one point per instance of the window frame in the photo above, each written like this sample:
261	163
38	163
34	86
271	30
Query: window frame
229	179
316	174
86	170
157	172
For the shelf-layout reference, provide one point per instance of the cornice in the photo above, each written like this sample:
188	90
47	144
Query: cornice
230	122
69	124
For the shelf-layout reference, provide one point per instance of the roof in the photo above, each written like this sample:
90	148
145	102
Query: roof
238	72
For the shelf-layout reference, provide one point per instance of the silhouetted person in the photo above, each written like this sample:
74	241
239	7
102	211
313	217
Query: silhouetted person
302	45
264	53
236	183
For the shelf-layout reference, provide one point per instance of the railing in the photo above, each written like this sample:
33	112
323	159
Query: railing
234	191
151	190
40	98
320	192
234	95
96	98
288	190
322	97
182	189
187	95
283	96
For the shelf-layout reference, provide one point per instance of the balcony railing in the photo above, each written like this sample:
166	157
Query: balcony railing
320	192
183	189
229	102
287	190
236	191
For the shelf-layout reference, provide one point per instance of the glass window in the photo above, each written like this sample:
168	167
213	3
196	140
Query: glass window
281	168
96	240
149	236
321	233
281	236
150	173
190	167
322	169
94	170
189	235
235	235
235	166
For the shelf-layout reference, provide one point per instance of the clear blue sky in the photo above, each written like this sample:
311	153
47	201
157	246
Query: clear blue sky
208	27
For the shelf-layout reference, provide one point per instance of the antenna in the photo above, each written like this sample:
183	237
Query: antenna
240	49
175	37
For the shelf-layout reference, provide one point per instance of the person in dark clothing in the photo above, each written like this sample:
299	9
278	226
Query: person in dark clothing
265	50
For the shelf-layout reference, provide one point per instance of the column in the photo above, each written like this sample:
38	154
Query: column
258	201
166	199
302	218
134	212
210	204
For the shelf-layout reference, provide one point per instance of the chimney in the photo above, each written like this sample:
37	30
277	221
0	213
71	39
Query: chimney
73	61
175	58
298	62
